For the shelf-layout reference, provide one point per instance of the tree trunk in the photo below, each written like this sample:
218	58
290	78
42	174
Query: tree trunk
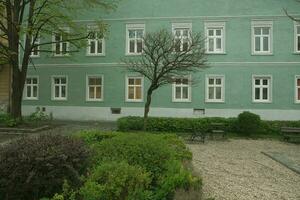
16	96
147	107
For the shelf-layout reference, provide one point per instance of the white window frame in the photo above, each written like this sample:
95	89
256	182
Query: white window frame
215	25
182	26
38	48
31	85
270	89
88	50
53	88
88	76
60	44
207	85
296	89
189	86
296	35
262	24
142	89
135	27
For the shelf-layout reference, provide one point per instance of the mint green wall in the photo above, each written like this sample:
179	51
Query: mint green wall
156	14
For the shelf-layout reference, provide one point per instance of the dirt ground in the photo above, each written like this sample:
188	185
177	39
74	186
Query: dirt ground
237	170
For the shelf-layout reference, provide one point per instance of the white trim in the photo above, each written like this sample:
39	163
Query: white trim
67	30
25	89
181	25
130	26
53	98
270	88
262	24
296	89
88	52
214	76
87	87
215	25
189	85
126	88
296	35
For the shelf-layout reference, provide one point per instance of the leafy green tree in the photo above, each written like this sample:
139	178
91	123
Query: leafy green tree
24	22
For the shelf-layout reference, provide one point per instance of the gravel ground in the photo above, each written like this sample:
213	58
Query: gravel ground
236	169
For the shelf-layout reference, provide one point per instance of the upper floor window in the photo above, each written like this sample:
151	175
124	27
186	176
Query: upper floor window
182	33
297	37
262	37
262	89
59	88
134	38
95	42
182	89
134	89
60	43
31	88
297	93
215	87
35	50
94	88
215	37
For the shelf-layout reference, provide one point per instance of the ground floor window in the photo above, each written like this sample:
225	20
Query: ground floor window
262	88
298	89
182	90
215	88
134	89
31	88
59	88
94	88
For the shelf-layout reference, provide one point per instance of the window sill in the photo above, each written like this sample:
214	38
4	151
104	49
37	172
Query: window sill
216	53
59	99
214	102
95	55
181	101
91	100
262	54
134	101
61	56
30	99
263	102
133	54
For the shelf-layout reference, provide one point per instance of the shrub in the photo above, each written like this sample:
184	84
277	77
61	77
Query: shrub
130	123
94	136
38	116
36	167
249	123
8	121
116	180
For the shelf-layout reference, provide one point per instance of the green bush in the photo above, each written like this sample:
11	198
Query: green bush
8	121
36	167
117	180
130	123
249	123
94	136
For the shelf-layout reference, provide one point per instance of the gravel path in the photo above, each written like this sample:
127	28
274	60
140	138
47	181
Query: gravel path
237	170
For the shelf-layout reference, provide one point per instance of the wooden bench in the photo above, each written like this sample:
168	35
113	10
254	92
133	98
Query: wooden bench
290	132
218	129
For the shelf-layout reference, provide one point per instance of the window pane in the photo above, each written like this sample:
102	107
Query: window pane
34	91
211	44
185	81
211	92
257	93
178	93
218	32
177	33
177	45
131	81
298	81
63	80
130	92
139	46
265	81
34	80
298	46
185	92
98	93
185	45
266	30
265	93
218	81
138	92
138	81
298	93
57	37
211	32
92	47
91	93
131	46
56	91
298	29
257	43
28	91
257	31
57	48
99	49
211	81
266	44
257	81
218	93
28	80
63	91
131	34
219	43
56	80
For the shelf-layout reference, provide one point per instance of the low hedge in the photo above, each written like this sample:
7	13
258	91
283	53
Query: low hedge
188	125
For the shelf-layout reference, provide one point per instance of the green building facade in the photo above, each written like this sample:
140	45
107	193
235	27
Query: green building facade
252	50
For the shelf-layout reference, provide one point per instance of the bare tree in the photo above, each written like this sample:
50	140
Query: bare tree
23	22
166	57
